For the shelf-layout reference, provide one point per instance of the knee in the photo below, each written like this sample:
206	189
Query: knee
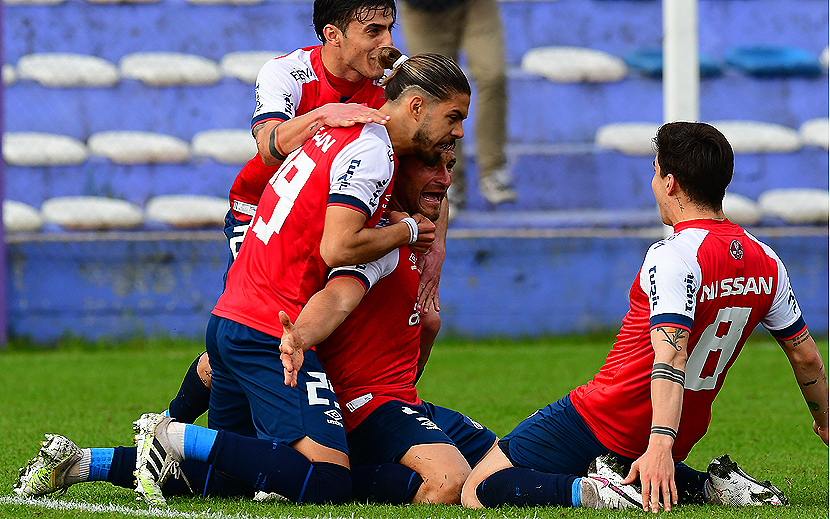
204	371
442	488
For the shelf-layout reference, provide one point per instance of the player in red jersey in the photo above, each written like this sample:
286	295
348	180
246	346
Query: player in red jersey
373	357
333	84
694	303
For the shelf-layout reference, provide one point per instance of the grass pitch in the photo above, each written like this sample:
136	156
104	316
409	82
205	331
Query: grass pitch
92	393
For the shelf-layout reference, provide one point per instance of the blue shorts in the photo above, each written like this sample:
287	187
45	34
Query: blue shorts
391	429
248	396
235	230
554	439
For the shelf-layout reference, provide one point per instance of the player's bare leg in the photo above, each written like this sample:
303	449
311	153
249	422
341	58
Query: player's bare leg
494	461
443	469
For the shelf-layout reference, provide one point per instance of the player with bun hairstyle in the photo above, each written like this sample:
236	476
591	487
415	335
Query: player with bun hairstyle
318	211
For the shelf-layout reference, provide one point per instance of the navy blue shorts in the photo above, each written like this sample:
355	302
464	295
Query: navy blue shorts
391	429
554	439
248	396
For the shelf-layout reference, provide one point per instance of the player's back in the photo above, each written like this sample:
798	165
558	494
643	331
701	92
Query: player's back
279	265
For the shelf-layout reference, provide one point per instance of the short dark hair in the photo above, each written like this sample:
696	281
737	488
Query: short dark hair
340	13
434	74
700	159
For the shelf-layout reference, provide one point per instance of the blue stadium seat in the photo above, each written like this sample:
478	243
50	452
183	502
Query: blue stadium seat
773	60
648	61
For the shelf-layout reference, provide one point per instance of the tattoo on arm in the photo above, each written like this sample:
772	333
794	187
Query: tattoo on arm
801	338
813	406
313	127
667	431
810	383
674	337
664	371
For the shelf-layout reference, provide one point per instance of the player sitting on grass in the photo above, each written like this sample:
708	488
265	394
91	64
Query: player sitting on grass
241	466
698	296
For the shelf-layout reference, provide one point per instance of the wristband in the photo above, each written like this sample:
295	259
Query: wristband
667	431
413	229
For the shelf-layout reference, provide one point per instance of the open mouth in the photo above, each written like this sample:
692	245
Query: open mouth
449	146
434	197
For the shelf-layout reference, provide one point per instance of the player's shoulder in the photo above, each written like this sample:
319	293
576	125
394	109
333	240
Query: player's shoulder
296	64
685	243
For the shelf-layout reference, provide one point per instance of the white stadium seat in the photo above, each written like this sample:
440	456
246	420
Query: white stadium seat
245	65
816	132
9	74
20	217
574	65
225	146
225	2
740	209
758	137
162	69
42	149
67	70
628	138
123	1
825	57
796	205
33	2
187	211
91	213
130	147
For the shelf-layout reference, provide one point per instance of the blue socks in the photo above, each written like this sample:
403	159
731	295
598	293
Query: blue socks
193	398
526	487
198	442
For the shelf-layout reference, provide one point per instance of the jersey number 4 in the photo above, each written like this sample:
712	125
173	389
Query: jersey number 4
715	347
287	190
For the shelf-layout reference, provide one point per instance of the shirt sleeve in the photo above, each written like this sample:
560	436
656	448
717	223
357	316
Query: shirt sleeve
784	320
361	172
671	284
278	91
369	273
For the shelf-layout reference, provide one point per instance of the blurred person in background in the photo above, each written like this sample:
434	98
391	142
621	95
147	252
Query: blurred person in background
473	27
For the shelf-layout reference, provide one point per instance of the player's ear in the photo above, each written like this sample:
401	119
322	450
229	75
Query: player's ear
332	35
671	184
416	106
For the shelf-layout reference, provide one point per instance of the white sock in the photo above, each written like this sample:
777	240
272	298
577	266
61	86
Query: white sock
175	435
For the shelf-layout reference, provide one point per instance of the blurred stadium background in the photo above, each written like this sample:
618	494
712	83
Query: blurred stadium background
125	122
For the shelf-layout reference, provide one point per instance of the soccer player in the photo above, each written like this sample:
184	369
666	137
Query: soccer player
372	359
221	463
333	84
696	299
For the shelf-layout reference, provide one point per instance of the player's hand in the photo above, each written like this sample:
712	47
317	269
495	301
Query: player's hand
292	352
655	469
822	432
429	265
426	233
349	114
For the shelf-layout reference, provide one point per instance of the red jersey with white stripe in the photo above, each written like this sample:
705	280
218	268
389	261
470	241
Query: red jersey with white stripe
713	279
372	357
286	87
279	265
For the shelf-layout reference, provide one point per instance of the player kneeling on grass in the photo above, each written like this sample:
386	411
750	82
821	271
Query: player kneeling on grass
420	462
373	357
619	440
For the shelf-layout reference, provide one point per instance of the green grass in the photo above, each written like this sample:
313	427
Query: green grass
91	393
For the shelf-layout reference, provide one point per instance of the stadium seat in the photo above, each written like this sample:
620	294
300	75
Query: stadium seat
649	62
825	57
130	147
225	146
20	217
187	211
9	74
42	149
796	205
740	209
33	2
124	1
67	70
91	213
574	65
161	69
816	132
758	137
772	61
628	138
245	65
225	2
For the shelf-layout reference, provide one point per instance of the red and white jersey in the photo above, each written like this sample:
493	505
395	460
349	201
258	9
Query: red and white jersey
713	279
279	265
372	357
286	87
